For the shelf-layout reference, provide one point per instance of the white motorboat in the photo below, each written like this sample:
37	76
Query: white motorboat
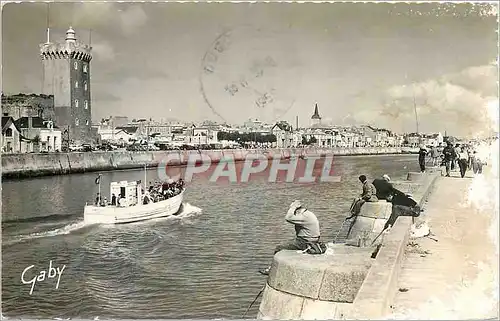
130	205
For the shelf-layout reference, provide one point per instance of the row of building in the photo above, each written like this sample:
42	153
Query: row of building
28	133
23	132
119	131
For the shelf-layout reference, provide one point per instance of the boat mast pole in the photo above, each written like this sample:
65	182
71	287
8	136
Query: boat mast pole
416	114
145	177
99	186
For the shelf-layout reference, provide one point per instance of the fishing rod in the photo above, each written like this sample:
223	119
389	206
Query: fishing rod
386	229
251	304
340	230
344	221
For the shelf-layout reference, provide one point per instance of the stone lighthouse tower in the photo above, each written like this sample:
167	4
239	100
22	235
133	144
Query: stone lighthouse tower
66	75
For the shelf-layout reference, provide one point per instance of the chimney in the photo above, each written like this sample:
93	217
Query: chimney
296	122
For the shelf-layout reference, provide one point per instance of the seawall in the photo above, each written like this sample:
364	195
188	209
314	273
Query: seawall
31	165
356	279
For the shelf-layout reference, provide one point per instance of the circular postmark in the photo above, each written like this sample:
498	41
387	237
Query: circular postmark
250	73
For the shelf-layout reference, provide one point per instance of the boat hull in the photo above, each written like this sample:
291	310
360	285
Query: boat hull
120	215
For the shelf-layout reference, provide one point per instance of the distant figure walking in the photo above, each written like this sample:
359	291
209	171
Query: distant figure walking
463	159
369	194
113	200
477	163
454	164
449	157
435	156
307	231
421	158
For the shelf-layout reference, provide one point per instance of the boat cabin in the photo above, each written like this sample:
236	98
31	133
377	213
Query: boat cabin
127	193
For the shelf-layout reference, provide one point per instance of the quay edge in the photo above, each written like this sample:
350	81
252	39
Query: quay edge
350	284
16	166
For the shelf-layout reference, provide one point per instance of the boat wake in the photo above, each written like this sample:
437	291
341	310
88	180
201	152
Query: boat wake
187	211
67	229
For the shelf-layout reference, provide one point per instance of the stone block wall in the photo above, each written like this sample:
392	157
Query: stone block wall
29	165
348	284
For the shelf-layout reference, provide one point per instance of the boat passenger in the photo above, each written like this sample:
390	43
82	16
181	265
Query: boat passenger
146	199
121	200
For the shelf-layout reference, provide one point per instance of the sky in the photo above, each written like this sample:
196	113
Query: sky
362	63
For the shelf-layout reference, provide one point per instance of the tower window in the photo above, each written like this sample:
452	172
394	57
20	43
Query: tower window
87	122
76	84
86	104
76	102
76	65
77	122
85	68
85	85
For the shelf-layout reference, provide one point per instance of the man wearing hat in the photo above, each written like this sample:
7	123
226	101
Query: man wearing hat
306	229
384	188
449	157
422	153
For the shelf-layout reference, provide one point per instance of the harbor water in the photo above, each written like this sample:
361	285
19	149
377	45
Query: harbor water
201	264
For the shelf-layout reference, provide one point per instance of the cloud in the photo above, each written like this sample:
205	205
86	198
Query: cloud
90	15
127	18
102	95
132	18
456	102
103	50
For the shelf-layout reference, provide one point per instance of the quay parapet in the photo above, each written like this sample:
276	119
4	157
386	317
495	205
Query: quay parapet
357	281
32	165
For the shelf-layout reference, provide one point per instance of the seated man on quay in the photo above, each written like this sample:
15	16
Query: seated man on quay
307	231
369	195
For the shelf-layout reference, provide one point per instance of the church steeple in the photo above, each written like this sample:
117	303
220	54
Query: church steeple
316	118
316	113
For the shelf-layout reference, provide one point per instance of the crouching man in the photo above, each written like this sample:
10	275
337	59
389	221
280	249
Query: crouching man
307	232
402	205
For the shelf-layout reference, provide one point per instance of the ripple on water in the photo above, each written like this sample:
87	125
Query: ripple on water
202	264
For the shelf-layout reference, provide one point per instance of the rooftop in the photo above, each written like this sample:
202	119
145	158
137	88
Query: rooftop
36	122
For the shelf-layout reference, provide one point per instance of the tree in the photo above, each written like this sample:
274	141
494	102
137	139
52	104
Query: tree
36	143
246	137
309	141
